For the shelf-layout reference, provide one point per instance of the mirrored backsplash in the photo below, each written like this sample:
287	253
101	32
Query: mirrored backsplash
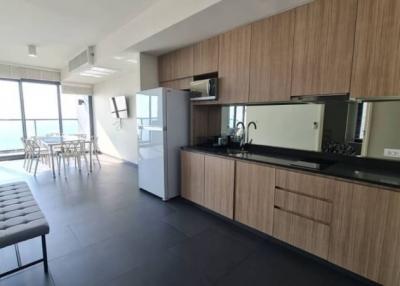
366	129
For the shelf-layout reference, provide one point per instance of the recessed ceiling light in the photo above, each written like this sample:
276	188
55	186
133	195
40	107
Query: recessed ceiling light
118	58
32	51
132	61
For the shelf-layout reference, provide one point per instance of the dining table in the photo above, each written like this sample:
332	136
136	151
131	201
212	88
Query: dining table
52	142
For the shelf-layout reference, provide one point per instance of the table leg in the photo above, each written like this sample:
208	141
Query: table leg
52	161
91	157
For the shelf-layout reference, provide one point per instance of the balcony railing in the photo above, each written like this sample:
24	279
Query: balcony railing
11	131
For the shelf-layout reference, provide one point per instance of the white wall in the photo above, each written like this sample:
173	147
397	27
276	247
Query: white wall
113	140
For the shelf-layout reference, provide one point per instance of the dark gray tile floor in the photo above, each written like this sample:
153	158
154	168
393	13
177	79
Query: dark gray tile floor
104	231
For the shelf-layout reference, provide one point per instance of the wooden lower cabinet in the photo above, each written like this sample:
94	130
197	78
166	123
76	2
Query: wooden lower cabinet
192	177
351	225
366	232
254	196
219	185
302	232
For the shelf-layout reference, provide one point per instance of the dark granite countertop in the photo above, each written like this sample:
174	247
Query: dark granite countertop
382	177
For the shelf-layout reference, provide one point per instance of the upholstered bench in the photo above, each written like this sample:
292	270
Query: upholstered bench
21	219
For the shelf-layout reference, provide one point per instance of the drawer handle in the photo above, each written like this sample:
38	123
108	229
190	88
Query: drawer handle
302	216
304	195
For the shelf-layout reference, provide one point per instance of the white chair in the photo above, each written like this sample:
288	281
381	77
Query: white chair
35	153
95	148
70	150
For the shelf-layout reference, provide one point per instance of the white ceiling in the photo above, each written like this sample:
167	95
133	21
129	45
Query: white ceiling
60	29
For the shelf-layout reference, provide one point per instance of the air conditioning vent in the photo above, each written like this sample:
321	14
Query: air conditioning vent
83	59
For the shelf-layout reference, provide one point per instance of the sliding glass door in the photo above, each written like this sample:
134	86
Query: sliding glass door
11	125
32	108
41	108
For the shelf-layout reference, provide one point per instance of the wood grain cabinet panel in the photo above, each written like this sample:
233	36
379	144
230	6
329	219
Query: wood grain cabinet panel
183	66
365	232
234	65
165	67
219	185
176	64
301	232
183	83
323	47
192	177
272	58
205	56
389	273
254	196
315	209
376	69
313	186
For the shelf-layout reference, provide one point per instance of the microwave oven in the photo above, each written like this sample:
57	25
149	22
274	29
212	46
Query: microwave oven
206	89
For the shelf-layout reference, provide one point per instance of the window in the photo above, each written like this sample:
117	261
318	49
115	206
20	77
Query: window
11	130
41	108
42	105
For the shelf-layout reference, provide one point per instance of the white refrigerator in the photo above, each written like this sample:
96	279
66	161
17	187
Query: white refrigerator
163	127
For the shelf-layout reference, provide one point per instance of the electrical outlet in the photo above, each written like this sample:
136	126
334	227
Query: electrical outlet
394	153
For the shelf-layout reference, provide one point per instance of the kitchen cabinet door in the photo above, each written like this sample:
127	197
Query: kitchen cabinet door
183	83
365	233
183	63
234	65
165	67
192	177
176	65
219	185
304	233
205	56
272	58
323	47
376	70
254	196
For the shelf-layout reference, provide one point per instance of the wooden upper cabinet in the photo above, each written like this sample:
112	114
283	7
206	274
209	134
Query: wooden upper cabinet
192	177
365	235
165	67
323	47
272	58
176	65
254	196
219	185
376	69
234	65
205	56
183	63
183	83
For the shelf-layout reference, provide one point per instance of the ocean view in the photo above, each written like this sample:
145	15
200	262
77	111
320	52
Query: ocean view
11	131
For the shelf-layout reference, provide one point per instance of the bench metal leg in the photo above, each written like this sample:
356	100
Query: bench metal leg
21	267
44	250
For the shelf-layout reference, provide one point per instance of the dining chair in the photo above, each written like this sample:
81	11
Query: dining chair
68	150
95	148
26	151
35	154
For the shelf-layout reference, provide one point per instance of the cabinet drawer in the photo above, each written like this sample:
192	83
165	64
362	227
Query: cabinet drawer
301	232
315	209
313	186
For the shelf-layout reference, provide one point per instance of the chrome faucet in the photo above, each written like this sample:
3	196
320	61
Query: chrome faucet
243	136
248	141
